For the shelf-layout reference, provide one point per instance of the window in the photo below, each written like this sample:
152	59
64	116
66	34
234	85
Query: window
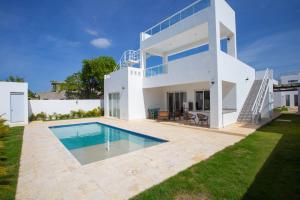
296	100
287	100
202	100
176	101
292	81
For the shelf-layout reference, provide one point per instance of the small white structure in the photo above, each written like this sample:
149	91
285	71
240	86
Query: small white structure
289	97
14	102
198	71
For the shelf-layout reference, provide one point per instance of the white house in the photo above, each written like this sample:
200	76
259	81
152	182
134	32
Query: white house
288	96
197	69
14	102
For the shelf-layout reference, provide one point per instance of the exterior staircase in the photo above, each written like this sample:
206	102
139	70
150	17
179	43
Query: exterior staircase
129	58
251	111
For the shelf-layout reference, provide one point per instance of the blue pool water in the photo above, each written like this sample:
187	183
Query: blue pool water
90	142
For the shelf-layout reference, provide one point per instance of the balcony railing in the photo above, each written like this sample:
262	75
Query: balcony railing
155	70
180	15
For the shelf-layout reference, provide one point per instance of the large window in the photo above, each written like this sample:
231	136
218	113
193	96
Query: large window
114	105
176	100
296	100
287	100
202	100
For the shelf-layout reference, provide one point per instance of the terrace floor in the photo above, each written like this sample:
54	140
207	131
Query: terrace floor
49	171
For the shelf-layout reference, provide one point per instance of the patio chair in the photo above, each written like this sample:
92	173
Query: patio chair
152	113
189	117
163	115
202	119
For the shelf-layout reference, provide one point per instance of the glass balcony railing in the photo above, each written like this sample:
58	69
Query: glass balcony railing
155	70
177	17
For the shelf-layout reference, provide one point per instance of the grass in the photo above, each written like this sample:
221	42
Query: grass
264	165
10	151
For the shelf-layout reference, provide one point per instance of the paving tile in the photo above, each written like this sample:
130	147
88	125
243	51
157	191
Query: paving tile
49	171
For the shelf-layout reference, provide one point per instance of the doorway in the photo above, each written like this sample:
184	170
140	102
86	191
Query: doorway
175	101
17	107
114	105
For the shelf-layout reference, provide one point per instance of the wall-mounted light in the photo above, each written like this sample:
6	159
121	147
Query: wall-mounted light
247	79
123	88
228	38
212	82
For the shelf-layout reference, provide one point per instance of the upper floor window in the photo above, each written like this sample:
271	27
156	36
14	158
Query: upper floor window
292	81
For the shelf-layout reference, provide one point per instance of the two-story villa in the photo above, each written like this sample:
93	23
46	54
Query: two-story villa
198	71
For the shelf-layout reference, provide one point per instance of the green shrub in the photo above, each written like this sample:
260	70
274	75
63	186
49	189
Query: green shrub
81	113
73	114
41	116
3	127
32	117
96	112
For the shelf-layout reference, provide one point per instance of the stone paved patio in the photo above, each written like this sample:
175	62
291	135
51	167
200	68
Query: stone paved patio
49	171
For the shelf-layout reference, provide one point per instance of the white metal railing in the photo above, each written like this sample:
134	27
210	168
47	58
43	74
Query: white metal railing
178	16
129	58
257	105
155	70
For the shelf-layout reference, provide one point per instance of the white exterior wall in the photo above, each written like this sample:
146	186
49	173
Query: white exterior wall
136	105
117	81
235	71
285	79
280	98
182	71
5	89
62	106
213	67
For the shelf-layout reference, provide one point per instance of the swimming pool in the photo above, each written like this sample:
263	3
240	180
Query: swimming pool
90	142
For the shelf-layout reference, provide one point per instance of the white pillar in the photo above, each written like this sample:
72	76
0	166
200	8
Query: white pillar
216	118
231	46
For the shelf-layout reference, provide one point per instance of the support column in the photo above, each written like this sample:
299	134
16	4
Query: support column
231	46
216	118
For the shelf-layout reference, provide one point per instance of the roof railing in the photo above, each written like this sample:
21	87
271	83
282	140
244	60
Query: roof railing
178	16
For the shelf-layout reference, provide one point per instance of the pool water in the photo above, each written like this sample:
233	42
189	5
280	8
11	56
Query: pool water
90	142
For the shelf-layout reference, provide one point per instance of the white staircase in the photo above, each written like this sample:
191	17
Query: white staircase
251	111
129	58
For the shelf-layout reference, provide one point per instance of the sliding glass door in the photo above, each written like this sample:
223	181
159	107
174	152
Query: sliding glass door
114	105
175	101
202	100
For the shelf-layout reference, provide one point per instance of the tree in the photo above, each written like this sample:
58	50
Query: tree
20	80
73	86
92	75
15	79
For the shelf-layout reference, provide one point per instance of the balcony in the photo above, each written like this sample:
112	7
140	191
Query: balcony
179	16
155	70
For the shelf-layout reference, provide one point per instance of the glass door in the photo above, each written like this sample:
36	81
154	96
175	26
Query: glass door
202	100
175	101
114	104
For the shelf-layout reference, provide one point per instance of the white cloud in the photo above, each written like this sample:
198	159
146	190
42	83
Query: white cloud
101	43
91	32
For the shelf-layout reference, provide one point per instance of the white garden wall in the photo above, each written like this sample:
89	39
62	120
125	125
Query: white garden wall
62	106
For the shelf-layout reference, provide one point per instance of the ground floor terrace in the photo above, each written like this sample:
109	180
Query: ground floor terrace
49	171
195	98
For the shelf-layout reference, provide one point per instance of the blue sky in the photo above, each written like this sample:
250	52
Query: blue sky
47	40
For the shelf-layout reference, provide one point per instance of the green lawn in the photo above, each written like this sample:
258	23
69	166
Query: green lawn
265	165
10	151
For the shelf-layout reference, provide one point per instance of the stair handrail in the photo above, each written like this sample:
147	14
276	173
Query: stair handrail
129	55
260	94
